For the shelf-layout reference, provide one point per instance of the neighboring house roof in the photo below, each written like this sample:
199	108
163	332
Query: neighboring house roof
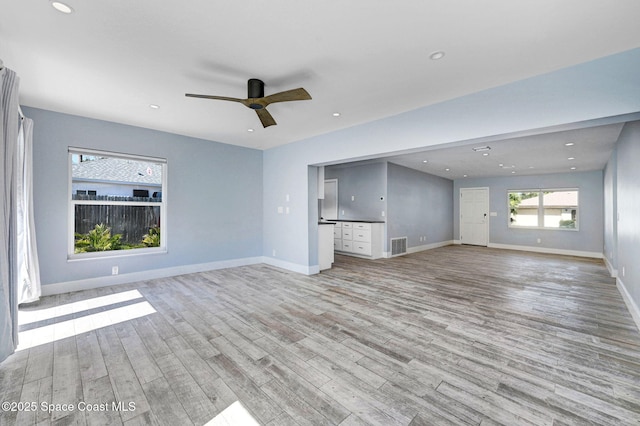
118	170
552	199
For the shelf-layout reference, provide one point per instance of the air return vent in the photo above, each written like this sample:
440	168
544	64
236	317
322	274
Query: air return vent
398	246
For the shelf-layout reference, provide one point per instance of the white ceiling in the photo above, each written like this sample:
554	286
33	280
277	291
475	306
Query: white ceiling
519	156
366	59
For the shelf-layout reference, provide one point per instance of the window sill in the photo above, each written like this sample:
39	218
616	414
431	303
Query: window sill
538	228
79	257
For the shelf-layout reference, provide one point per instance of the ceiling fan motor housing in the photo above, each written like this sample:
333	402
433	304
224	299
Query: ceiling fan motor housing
255	90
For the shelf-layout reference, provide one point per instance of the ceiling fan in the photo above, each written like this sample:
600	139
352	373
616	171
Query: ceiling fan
256	100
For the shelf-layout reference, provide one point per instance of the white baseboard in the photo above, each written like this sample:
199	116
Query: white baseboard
612	271
69	286
294	267
431	246
631	305
578	253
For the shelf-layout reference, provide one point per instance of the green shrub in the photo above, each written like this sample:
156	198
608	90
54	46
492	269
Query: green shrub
152	239
98	239
567	224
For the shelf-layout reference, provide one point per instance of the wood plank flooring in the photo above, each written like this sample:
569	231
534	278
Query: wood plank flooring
452	336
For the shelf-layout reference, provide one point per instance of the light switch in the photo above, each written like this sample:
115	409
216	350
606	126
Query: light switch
286	210
280	209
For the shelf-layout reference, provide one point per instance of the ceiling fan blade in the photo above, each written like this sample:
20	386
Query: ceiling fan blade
265	118
220	98
288	95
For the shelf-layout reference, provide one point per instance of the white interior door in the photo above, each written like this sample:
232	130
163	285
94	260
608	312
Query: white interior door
329	204
474	216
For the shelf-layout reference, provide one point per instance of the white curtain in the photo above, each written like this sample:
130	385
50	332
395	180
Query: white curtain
28	279
9	125
18	260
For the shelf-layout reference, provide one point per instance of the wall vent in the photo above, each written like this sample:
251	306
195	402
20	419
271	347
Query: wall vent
398	246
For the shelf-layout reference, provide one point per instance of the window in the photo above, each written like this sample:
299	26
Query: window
544	208
116	204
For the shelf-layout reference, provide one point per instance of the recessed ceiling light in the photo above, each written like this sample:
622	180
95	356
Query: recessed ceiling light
500	165
464	175
447	169
436	55
571	158
425	161
154	106
569	144
61	7
513	172
336	114
249	130
485	154
573	168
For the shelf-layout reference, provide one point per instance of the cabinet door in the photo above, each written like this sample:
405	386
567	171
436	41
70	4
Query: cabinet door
337	244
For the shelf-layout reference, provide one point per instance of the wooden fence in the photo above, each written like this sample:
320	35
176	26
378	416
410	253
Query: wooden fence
133	222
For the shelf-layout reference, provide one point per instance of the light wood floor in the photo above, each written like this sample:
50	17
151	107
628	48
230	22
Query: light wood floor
456	335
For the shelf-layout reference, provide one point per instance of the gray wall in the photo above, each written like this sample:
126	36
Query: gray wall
367	184
589	237
610	251
628	199
214	196
418	205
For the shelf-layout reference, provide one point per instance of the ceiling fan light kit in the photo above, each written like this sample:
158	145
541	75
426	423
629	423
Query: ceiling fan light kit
257	101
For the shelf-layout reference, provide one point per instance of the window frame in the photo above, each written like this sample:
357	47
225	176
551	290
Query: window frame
541	209
71	255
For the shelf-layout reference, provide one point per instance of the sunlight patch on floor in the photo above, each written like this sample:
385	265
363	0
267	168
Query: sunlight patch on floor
28	316
73	327
233	415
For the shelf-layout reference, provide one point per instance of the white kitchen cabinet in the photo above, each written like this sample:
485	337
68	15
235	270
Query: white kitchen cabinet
361	239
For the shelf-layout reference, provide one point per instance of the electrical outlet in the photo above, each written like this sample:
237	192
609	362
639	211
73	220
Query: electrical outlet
274	252
539	240
114	270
